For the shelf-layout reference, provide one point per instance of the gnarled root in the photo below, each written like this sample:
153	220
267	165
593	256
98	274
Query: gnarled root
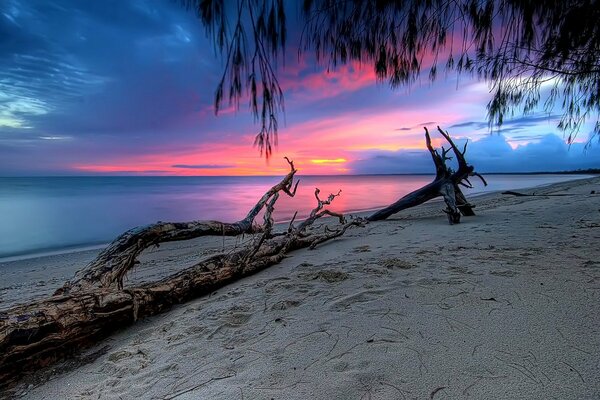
94	303
446	184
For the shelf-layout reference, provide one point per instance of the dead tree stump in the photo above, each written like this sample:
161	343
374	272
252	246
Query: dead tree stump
446	184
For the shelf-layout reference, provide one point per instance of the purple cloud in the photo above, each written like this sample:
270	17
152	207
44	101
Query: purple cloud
490	154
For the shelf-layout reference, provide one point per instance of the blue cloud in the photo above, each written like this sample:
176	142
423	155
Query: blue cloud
512	126
94	81
470	124
91	68
490	154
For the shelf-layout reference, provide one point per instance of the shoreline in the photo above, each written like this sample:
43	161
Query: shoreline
42	253
31	278
589	171
59	251
499	306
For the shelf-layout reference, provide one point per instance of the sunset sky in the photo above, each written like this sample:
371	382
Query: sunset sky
126	87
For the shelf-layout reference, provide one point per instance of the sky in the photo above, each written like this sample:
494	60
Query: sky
126	88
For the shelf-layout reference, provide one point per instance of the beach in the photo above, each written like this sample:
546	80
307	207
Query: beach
502	306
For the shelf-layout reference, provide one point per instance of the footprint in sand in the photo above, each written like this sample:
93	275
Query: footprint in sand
362	249
329	276
396	263
590	264
126	362
238	315
287	287
459	269
119	355
305	265
230	323
196	330
505	273
374	272
234	317
266	282
237	319
365	296
285	304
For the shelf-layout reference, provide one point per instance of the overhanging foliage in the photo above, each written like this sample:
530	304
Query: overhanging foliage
518	47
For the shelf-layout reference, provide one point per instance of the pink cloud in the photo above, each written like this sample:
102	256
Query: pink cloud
306	83
338	138
319	146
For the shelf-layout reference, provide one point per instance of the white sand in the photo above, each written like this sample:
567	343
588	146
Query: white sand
503	306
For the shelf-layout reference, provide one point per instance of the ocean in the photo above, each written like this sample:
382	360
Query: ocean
48	214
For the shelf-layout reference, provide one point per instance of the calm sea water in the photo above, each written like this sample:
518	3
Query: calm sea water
44	214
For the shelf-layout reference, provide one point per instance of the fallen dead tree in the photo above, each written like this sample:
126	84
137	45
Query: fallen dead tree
95	303
446	184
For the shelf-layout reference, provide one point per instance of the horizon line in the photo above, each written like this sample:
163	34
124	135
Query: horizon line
577	171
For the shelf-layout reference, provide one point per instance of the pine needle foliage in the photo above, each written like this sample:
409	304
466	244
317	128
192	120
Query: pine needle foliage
532	53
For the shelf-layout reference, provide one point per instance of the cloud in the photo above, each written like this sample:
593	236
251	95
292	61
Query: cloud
511	125
311	83
86	68
416	127
127	87
392	162
469	124
202	166
490	154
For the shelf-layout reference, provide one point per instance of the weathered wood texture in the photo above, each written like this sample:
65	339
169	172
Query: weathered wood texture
446	184
113	263
94	303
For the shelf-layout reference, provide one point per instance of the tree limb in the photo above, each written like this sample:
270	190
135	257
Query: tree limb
446	184
94	303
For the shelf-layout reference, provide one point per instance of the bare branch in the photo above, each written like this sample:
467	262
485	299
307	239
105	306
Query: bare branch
480	177
446	184
36	334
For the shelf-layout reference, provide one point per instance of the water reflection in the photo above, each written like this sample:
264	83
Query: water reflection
39	214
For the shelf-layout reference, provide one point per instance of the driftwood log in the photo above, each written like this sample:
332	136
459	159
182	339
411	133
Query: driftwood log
95	303
446	184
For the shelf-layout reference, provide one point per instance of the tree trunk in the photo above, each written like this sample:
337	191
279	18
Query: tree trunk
94	303
445	184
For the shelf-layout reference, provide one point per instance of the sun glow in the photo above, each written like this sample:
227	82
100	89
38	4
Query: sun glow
330	161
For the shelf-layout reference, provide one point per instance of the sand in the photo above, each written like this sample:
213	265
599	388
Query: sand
503	306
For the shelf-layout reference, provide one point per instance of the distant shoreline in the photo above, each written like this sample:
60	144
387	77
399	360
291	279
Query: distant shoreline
57	251
84	247
593	171
589	171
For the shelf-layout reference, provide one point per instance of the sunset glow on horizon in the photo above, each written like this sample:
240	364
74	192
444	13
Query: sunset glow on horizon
127	105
